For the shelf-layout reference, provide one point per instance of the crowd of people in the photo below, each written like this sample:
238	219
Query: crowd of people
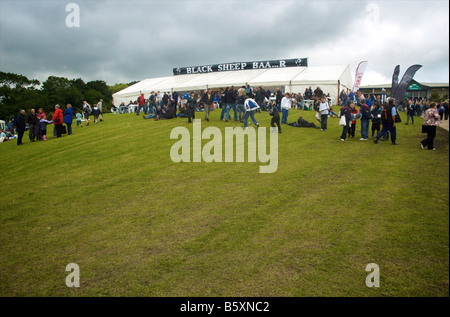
374	115
384	116
36	122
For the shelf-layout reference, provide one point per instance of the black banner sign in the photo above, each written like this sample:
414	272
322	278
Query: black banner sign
281	63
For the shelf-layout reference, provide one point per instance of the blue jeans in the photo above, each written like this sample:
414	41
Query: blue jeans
229	106
224	110
284	115
250	114
69	128
387	127
241	110
365	123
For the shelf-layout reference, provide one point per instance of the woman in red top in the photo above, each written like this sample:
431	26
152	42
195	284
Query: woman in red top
57	119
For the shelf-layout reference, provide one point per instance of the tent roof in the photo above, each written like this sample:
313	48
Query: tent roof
322	74
255	77
276	76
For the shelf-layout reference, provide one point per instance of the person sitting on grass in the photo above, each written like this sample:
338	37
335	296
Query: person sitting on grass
168	112
156	115
302	123
3	136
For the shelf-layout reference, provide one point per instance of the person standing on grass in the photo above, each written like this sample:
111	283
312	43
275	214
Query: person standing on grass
441	110
409	112
346	112
20	126
207	100
446	109
240	103
68	118
100	108
96	113
250	108
191	105
87	110
58	118
141	104
323	110
278	97
388	117
79	115
352	124
376	118
231	104
365	120
286	105
223	103
32	121
431	119
273	111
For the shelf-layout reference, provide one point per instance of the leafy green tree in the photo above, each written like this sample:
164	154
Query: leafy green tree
55	88
101	87
435	96
92	96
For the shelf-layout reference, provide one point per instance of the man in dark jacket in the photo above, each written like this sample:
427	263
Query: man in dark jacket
168	113
388	119
190	107
231	104
273	111
32	121
259	98
376	118
347	113
20	126
207	100
365	120
278	97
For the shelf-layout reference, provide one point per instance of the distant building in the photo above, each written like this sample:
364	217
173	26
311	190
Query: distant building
415	89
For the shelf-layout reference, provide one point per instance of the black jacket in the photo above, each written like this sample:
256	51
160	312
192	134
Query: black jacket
274	112
345	111
191	104
20	122
206	100
231	96
32	119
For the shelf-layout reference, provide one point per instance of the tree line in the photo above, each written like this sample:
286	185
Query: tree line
19	92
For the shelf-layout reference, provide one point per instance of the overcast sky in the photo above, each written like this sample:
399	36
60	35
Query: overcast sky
121	41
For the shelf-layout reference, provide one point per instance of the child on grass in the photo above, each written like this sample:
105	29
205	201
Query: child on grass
79	123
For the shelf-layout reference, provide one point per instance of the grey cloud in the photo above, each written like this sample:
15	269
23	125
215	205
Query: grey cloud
122	41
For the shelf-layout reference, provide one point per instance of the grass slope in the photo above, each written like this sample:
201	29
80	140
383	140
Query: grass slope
110	199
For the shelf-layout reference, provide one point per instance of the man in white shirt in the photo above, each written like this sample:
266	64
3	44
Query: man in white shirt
286	104
323	110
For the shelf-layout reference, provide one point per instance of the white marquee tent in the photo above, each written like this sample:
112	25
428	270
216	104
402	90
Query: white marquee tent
331	79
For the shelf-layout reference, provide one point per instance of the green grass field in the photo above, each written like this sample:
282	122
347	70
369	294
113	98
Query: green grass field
110	199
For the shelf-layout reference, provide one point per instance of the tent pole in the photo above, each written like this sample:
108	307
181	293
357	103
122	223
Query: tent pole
339	90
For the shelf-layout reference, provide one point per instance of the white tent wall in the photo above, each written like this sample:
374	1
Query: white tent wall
331	79
133	91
